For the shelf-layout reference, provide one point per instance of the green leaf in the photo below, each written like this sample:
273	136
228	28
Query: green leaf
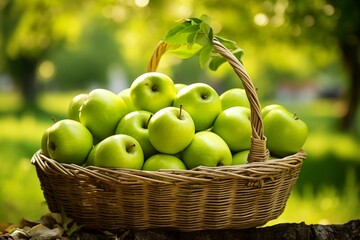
215	62
229	44
174	30
211	36
238	53
180	37
185	51
194	36
195	20
74	228
205	27
203	40
204	55
205	18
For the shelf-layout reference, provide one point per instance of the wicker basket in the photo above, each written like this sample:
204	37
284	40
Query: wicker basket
227	197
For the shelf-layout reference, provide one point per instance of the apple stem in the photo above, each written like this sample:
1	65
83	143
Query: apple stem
147	123
204	96
53	119
295	116
154	87
180	112
128	149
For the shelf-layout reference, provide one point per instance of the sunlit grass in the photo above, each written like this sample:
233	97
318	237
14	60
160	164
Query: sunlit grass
20	136
20	194
339	144
27	128
327	206
57	102
10	102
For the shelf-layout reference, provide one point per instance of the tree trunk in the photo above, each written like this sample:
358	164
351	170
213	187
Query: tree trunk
285	231
24	72
49	228
350	54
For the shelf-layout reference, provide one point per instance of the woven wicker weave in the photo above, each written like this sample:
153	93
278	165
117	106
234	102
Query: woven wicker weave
203	198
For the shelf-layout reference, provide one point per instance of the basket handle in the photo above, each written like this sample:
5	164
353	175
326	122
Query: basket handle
258	150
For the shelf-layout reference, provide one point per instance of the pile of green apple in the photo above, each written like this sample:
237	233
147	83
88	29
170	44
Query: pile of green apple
157	124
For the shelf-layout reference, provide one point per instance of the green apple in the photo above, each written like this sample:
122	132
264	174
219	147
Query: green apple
152	91
163	161
171	129
44	141
178	155
234	97
74	106
285	132
179	86
240	157
68	141
135	124
269	108
119	151
202	102
234	126
272	158
101	112
207	149
90	158
125	96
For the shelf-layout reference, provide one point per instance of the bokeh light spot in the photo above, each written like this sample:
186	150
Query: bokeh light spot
261	19
141	3
46	70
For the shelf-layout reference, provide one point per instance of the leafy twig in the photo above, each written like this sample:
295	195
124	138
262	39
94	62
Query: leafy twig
194	36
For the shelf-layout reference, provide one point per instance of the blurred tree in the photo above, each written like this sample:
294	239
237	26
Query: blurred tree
286	37
334	22
347	31
87	61
29	29
33	31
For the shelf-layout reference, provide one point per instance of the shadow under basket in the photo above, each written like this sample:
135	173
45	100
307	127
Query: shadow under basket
203	198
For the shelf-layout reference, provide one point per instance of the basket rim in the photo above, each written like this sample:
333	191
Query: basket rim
254	171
